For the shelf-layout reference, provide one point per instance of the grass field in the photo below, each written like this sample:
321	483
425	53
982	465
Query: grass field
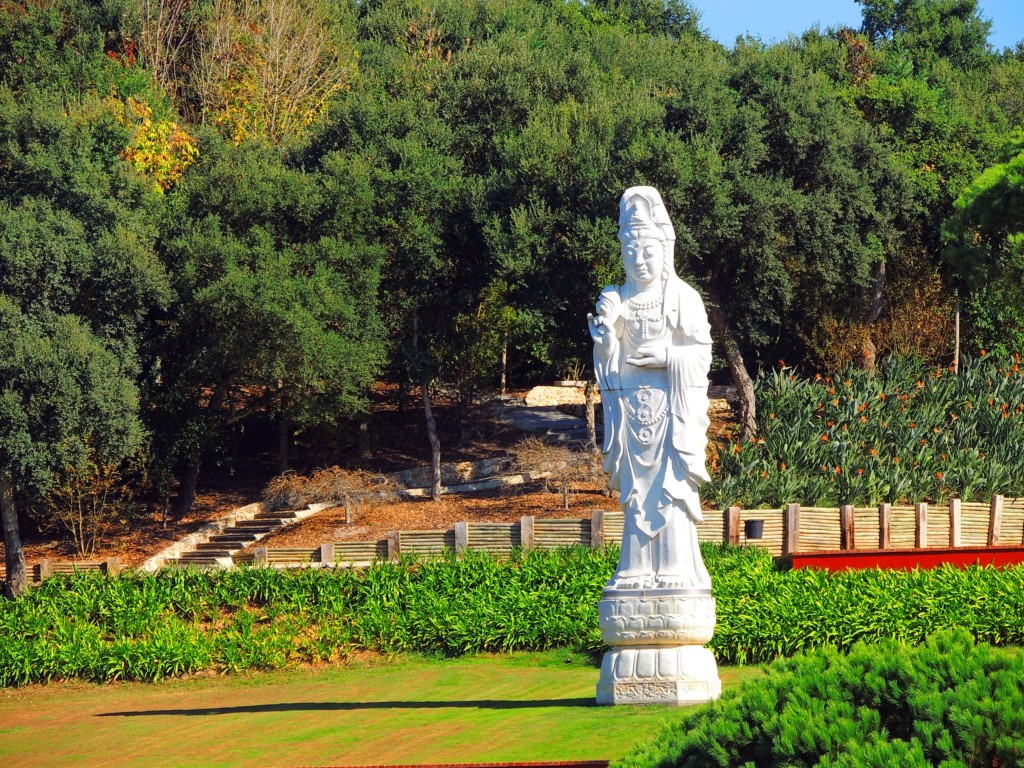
528	707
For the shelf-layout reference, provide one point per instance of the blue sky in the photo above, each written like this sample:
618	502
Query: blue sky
771	20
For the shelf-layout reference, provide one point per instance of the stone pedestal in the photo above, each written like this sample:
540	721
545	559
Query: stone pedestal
657	639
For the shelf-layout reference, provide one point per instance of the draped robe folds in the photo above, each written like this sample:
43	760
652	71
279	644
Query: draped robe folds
655	435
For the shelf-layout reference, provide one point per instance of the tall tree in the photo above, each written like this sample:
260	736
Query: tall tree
277	300
78	277
986	249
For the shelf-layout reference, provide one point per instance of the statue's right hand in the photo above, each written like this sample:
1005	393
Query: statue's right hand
606	306
600	332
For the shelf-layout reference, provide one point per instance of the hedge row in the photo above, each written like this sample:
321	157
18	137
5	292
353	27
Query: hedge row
945	703
176	622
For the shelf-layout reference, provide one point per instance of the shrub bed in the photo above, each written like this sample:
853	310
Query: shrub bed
906	433
176	622
947	702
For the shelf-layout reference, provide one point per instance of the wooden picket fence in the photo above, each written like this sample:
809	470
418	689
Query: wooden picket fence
787	530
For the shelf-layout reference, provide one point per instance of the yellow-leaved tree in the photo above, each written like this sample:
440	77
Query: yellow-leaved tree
267	68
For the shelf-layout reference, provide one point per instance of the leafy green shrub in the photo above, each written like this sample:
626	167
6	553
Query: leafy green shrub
947	702
764	613
907	433
148	627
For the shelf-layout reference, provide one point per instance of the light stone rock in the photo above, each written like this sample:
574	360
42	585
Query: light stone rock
542	396
652	354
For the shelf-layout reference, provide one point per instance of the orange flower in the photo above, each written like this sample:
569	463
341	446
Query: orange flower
912	425
824	438
895	459
874	451
838	471
860	471
881	395
863	419
782	466
983	353
771	415
938	475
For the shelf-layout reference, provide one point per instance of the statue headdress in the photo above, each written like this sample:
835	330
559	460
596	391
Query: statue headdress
641	208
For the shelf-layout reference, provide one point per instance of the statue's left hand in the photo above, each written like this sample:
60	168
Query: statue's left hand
649	357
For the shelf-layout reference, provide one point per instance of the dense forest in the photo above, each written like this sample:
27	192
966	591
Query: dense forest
220	210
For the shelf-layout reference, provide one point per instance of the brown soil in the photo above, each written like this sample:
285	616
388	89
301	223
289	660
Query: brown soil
144	536
371	522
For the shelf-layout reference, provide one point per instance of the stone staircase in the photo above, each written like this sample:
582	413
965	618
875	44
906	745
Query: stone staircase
218	551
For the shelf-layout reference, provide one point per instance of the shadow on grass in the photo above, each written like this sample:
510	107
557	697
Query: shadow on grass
342	706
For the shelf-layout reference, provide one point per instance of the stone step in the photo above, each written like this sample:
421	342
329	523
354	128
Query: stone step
234	536
206	554
256	524
284	515
219	546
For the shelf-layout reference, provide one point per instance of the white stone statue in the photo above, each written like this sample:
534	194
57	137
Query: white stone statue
652	354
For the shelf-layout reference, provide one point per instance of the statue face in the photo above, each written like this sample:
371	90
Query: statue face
644	257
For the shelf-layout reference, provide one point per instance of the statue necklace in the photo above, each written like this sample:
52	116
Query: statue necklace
647	316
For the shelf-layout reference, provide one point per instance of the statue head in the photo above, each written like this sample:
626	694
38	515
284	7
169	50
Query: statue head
647	236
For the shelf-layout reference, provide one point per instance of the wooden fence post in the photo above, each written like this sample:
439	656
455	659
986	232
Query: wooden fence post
995	520
921	525
526	537
955	523
327	553
461	537
394	545
731	523
847	537
596	528
791	529
112	566
260	557
884	525
45	569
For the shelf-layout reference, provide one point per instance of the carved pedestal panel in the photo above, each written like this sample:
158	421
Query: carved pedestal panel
657	651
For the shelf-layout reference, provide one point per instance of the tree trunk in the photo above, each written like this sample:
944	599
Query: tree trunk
588	394
364	438
16	584
282	444
738	371
189	483
435	442
956	337
868	349
187	488
504	365
868	353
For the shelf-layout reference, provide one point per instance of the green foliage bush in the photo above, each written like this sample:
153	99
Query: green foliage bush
908	433
947	702
175	622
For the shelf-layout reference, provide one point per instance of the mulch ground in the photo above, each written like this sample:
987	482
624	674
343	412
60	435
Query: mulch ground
371	522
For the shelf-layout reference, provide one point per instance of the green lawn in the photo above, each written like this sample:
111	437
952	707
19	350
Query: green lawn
535	706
